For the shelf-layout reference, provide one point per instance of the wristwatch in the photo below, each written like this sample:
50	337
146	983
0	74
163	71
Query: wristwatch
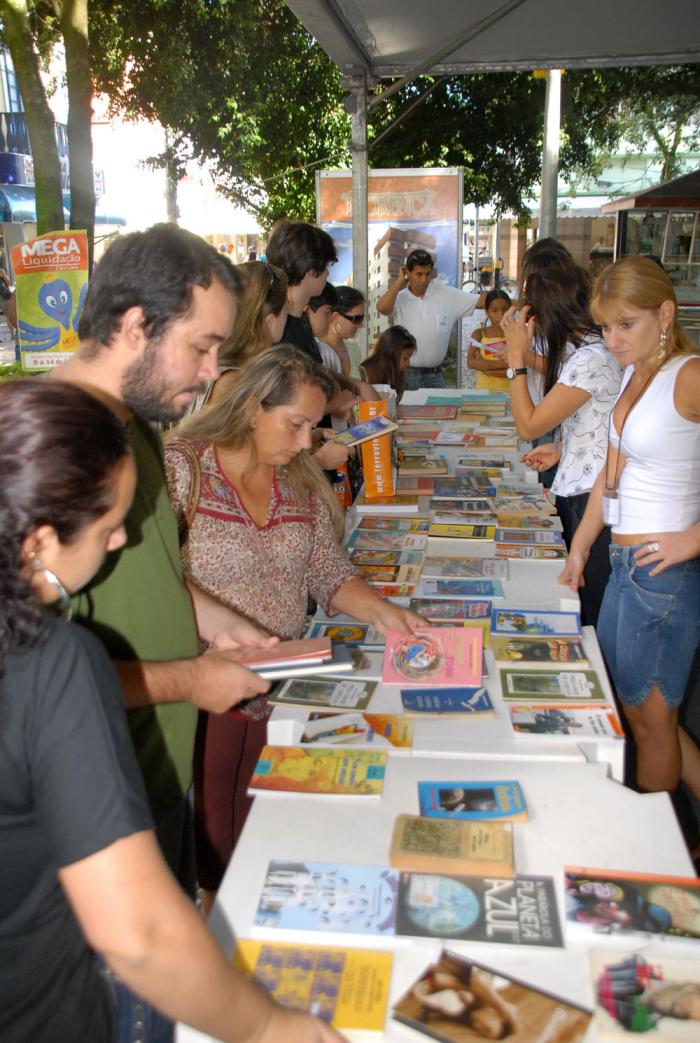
521	371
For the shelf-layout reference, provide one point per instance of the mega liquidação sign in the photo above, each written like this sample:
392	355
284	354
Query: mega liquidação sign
51	276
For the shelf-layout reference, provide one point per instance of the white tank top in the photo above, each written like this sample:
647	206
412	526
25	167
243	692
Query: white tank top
659	488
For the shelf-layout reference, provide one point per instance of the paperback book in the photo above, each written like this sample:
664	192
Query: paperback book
359	729
377	539
419	485
301	652
370	524
381	574
438	701
517	911
530	553
327	896
647	994
427	412
447	516
362	432
424	845
348	988
464	488
617	902
558	686
519	521
466	505
439	567
525	504
527	537
576	721
540	651
376	557
342	694
421	465
440	656
323	770
535	623
386	504
457	1000
453	610
512	489
461	588
362	634
473	800
461	532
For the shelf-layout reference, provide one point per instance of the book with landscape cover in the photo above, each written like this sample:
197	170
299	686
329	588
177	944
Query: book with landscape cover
530	553
454	610
474	800
529	537
425	845
612	901
461	532
359	729
519	520
363	634
322	770
376	539
438	656
362	432
533	652
389	558
437	701
461	588
346	694
578	722
466	487
327	896
425	412
414	464
530	503
348	988
647	994
466	505
552	686
370	524
456	1000
535	623
437	566
514	911
385	504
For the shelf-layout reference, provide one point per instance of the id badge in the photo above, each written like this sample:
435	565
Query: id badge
611	510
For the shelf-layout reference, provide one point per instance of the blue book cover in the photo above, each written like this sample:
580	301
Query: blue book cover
323	896
535	622
474	800
446	700
461	588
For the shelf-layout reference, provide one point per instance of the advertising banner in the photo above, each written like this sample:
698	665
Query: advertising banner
51	277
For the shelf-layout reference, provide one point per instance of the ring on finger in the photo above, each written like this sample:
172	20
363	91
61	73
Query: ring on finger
653	547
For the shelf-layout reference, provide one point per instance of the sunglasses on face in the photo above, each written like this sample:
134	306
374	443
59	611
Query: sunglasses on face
356	320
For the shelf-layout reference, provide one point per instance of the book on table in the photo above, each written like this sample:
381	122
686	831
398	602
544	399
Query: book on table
645	994
438	701
465	504
463	488
519	520
389	524
438	656
381	574
576	722
376	539
613	901
461	532
457	587
457	1000
530	503
323	770
425	845
348	988
386	504
437	566
473	800
539	652
418	485
427	412
530	553
419	464
393	731
363	634
551	686
380	557
529	537
346	694
535	623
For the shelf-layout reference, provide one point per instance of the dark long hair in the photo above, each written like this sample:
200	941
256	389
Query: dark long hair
383	366
559	301
58	450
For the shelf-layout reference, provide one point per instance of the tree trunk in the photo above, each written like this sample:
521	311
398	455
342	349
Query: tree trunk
73	15
41	125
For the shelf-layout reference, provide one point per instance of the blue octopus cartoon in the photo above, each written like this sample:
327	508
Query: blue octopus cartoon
56	301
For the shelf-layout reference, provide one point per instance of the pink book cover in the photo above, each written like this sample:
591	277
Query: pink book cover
442	657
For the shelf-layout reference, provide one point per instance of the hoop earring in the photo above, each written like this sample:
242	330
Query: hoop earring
663	337
64	603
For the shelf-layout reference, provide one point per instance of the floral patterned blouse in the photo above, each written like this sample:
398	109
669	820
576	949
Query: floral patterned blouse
263	571
585	433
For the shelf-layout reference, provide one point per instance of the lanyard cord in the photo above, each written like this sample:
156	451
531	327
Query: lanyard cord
611	490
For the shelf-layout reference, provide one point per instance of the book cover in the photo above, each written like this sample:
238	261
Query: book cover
408	465
292	769
461	506
376	539
496	461
362	432
535	623
436	701
512	489
327	896
526	537
386	504
611	901
526	504
462	532
305	650
396	591
346	694
394	524
457	1000
507	550
456	610
432	412
519	521
517	911
474	800
552	686
540	651
348	988
450	517
425	845
465	488
440	656
363	634
458	438
420	485
576	721
461	588
645	995
359	729
375	556
340	662
437	566
381	574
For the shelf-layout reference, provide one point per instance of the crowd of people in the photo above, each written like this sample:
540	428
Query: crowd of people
134	574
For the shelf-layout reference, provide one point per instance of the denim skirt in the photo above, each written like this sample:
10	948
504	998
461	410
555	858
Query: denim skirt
649	626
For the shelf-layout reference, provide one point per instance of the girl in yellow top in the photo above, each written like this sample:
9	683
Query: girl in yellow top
490	366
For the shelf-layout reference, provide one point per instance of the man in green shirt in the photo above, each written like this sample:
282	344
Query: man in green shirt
160	304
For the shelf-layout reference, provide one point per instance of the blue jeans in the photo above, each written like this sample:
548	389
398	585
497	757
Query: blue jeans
424	377
136	1021
649	627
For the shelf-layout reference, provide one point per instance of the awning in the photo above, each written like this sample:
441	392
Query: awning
683	191
18	204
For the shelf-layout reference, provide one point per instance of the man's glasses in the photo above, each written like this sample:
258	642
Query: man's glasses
356	320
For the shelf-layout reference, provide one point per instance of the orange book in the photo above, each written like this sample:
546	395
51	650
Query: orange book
377	463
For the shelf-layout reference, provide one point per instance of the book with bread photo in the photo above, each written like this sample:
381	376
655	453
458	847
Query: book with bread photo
457	1000
427	845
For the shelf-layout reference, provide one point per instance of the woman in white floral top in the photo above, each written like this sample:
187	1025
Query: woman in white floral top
581	383
265	534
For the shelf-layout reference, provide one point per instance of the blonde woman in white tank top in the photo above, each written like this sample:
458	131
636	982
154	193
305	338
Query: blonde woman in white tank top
649	493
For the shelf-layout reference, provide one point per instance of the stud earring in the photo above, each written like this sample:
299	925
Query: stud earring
63	599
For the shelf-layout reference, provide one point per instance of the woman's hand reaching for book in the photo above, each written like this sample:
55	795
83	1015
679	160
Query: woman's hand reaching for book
542	457
572	574
395	617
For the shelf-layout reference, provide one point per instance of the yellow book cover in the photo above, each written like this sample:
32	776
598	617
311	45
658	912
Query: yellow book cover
431	845
462	532
347	987
319	770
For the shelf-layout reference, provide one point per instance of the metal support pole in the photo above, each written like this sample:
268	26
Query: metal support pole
550	155
356	104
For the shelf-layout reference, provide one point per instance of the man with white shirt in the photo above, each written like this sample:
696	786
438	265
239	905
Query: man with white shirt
428	308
